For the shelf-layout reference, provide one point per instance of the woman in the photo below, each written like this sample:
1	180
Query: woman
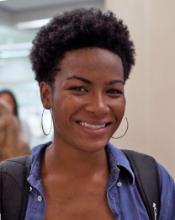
81	61
11	141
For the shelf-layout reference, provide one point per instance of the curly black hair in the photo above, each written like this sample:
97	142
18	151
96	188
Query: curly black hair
80	28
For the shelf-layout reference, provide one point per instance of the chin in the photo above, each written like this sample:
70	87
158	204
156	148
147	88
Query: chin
93	146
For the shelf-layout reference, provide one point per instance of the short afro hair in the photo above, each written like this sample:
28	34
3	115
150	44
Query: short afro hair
79	28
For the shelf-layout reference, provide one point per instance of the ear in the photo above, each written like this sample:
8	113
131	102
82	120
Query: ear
46	94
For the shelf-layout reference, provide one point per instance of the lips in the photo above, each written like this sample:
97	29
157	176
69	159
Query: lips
94	125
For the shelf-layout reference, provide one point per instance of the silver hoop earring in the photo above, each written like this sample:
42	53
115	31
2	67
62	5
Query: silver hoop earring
127	126
42	124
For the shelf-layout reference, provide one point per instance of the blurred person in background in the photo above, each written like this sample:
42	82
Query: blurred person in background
12	131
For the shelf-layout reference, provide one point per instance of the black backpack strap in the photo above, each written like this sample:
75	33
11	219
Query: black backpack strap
14	188
147	180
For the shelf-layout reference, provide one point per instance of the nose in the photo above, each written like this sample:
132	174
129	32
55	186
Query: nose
98	105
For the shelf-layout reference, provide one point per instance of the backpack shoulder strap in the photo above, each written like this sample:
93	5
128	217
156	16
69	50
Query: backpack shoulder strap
14	187
147	180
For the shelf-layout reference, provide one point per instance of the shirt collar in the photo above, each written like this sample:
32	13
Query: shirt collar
119	164
34	175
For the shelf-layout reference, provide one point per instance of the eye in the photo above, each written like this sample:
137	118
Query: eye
114	92
78	89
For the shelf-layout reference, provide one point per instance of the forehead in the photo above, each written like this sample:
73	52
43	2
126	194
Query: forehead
90	62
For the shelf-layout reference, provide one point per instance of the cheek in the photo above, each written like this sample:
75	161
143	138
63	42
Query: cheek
71	103
123	105
119	108
65	106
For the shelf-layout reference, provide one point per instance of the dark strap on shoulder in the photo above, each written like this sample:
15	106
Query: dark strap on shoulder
147	180
14	188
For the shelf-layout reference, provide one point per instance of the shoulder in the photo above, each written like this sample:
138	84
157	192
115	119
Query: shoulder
165	177
13	172
167	187
14	164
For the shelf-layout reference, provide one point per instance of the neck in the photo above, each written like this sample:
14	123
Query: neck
69	161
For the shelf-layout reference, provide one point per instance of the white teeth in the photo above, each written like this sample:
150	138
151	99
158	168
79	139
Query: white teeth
86	125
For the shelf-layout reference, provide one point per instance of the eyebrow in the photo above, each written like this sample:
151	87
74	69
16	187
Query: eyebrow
116	81
80	78
90	82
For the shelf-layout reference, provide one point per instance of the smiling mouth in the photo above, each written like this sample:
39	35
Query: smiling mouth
93	126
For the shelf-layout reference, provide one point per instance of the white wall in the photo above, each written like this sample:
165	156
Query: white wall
150	90
39	10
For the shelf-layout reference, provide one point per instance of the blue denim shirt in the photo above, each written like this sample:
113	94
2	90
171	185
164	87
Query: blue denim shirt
122	194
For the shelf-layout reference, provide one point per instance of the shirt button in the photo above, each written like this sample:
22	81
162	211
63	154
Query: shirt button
39	198
30	188
119	184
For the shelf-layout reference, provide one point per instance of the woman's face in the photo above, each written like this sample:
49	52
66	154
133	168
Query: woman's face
87	101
